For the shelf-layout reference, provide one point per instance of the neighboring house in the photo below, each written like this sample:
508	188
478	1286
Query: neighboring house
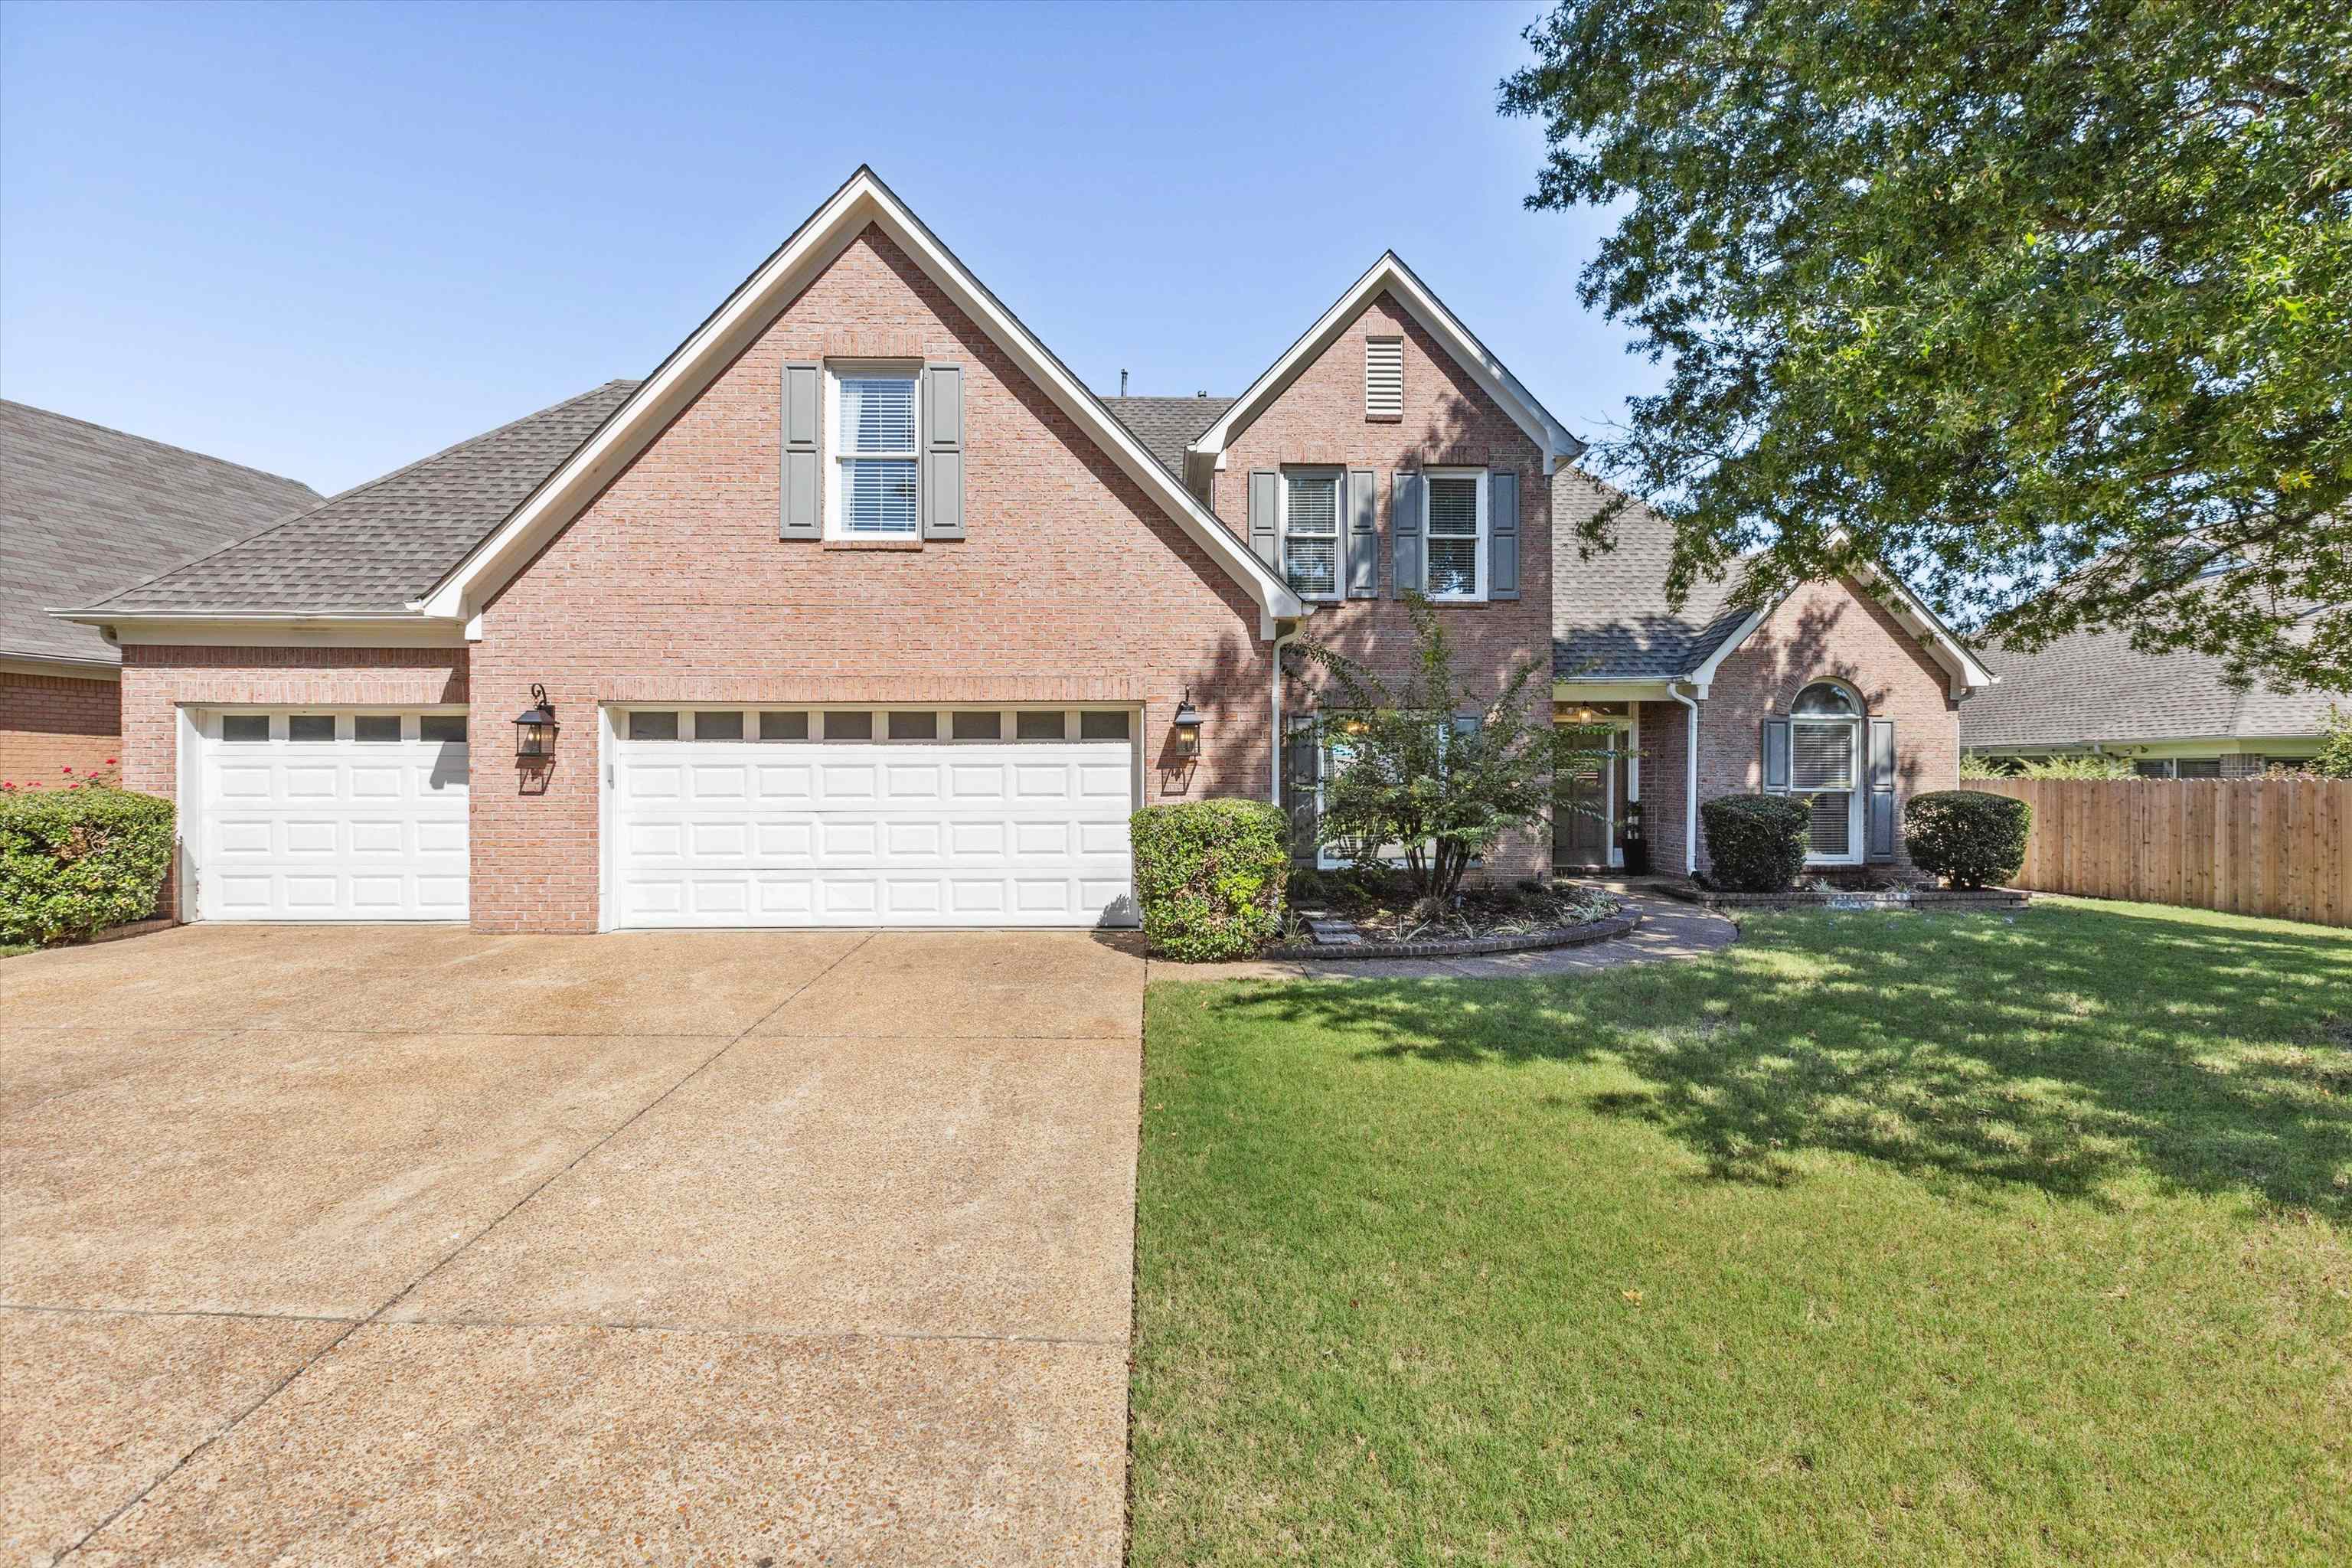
1846	693
2172	714
861	609
83	511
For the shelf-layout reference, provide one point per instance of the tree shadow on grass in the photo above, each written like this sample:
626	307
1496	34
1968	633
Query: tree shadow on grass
2062	1049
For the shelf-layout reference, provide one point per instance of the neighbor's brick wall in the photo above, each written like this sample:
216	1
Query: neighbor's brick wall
1448	419
1823	630
1072	585
52	723
157	680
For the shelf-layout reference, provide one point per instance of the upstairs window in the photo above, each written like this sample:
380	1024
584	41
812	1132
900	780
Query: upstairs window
875	474
1311	533
1457	534
1384	378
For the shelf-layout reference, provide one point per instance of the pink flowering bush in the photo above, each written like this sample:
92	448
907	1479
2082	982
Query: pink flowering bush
78	859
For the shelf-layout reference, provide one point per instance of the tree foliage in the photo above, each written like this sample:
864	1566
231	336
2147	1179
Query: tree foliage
2334	758
1430	773
2047	303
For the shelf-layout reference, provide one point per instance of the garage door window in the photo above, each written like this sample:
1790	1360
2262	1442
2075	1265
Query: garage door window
1110	726
1035	726
987	726
849	726
783	727
311	727
645	726
375	728
914	726
443	729
244	729
719	724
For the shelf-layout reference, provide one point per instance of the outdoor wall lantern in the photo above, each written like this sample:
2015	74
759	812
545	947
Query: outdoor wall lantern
535	726
1188	727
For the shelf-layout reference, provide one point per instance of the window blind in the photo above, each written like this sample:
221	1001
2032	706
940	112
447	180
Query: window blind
877	415
1310	546
1384	378
1453	536
1821	756
1831	829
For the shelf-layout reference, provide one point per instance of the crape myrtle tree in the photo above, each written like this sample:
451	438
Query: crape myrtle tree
2045	303
1426	774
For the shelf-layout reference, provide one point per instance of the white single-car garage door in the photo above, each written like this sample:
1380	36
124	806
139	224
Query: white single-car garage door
330	815
869	817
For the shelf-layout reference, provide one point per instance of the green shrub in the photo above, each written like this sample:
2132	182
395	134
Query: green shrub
1210	876
1967	836
1756	842
75	861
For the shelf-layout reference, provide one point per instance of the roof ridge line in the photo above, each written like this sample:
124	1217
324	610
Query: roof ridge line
365	485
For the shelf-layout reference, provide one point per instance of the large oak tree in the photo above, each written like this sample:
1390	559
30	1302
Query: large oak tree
2048	303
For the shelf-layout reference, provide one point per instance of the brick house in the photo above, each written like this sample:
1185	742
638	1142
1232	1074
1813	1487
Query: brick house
860	609
84	509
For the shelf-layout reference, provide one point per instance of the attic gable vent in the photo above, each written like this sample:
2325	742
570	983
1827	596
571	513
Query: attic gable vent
1384	378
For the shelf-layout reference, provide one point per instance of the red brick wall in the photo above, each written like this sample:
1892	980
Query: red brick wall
1825	630
1073	584
52	723
1448	419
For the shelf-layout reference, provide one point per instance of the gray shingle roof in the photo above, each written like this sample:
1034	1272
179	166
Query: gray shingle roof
1166	426
2095	688
1609	614
376	548
84	510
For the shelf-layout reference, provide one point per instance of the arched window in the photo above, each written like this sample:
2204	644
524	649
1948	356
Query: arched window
1825	761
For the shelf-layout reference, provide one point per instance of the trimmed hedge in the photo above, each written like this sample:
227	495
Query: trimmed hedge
1970	837
1756	843
1210	876
75	861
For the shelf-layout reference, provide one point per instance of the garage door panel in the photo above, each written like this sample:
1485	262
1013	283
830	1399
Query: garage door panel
854	833
330	830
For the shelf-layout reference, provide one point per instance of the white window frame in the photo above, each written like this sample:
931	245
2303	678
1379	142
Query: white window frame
1857	789
835	458
1483	487
1338	479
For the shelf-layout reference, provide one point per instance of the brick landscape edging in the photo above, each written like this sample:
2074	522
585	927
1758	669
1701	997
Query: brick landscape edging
1473	946
1924	900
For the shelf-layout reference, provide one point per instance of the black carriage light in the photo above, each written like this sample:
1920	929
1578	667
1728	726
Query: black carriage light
1188	727
535	726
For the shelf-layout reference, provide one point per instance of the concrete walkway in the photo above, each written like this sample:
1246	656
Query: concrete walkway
408	1245
1669	929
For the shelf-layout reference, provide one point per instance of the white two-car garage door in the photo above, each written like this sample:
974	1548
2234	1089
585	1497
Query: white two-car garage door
320	815
863	817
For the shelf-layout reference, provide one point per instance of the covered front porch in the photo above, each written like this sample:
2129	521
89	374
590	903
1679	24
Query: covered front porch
1597	802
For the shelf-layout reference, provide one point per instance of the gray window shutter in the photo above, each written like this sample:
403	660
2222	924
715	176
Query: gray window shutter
1776	754
1408	505
1502	536
943	451
800	519
1363	535
1301	774
1264	498
1879	827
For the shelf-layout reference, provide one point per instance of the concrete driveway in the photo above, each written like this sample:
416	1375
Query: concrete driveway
377	1244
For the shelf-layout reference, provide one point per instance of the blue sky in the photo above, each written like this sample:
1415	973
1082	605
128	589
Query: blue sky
327	240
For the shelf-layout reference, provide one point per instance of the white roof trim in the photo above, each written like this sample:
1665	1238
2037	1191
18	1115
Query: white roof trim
1967	673
1390	273
291	628
746	313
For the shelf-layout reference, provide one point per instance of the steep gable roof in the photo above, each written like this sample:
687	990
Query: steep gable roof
84	509
862	201
1389	274
374	548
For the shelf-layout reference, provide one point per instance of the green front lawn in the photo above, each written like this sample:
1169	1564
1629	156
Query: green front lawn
1873	1240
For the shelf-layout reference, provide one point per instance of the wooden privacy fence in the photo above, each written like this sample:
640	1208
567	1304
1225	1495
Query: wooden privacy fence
2277	846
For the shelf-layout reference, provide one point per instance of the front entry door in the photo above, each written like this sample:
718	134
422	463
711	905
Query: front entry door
1580	823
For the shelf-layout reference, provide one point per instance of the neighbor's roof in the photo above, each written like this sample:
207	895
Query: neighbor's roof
376	548
2095	688
1166	426
1610	616
84	510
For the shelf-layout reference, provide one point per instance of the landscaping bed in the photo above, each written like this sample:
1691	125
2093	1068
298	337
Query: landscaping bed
1381	914
1924	900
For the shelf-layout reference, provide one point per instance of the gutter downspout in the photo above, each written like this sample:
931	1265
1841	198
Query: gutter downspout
1690	781
1274	703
